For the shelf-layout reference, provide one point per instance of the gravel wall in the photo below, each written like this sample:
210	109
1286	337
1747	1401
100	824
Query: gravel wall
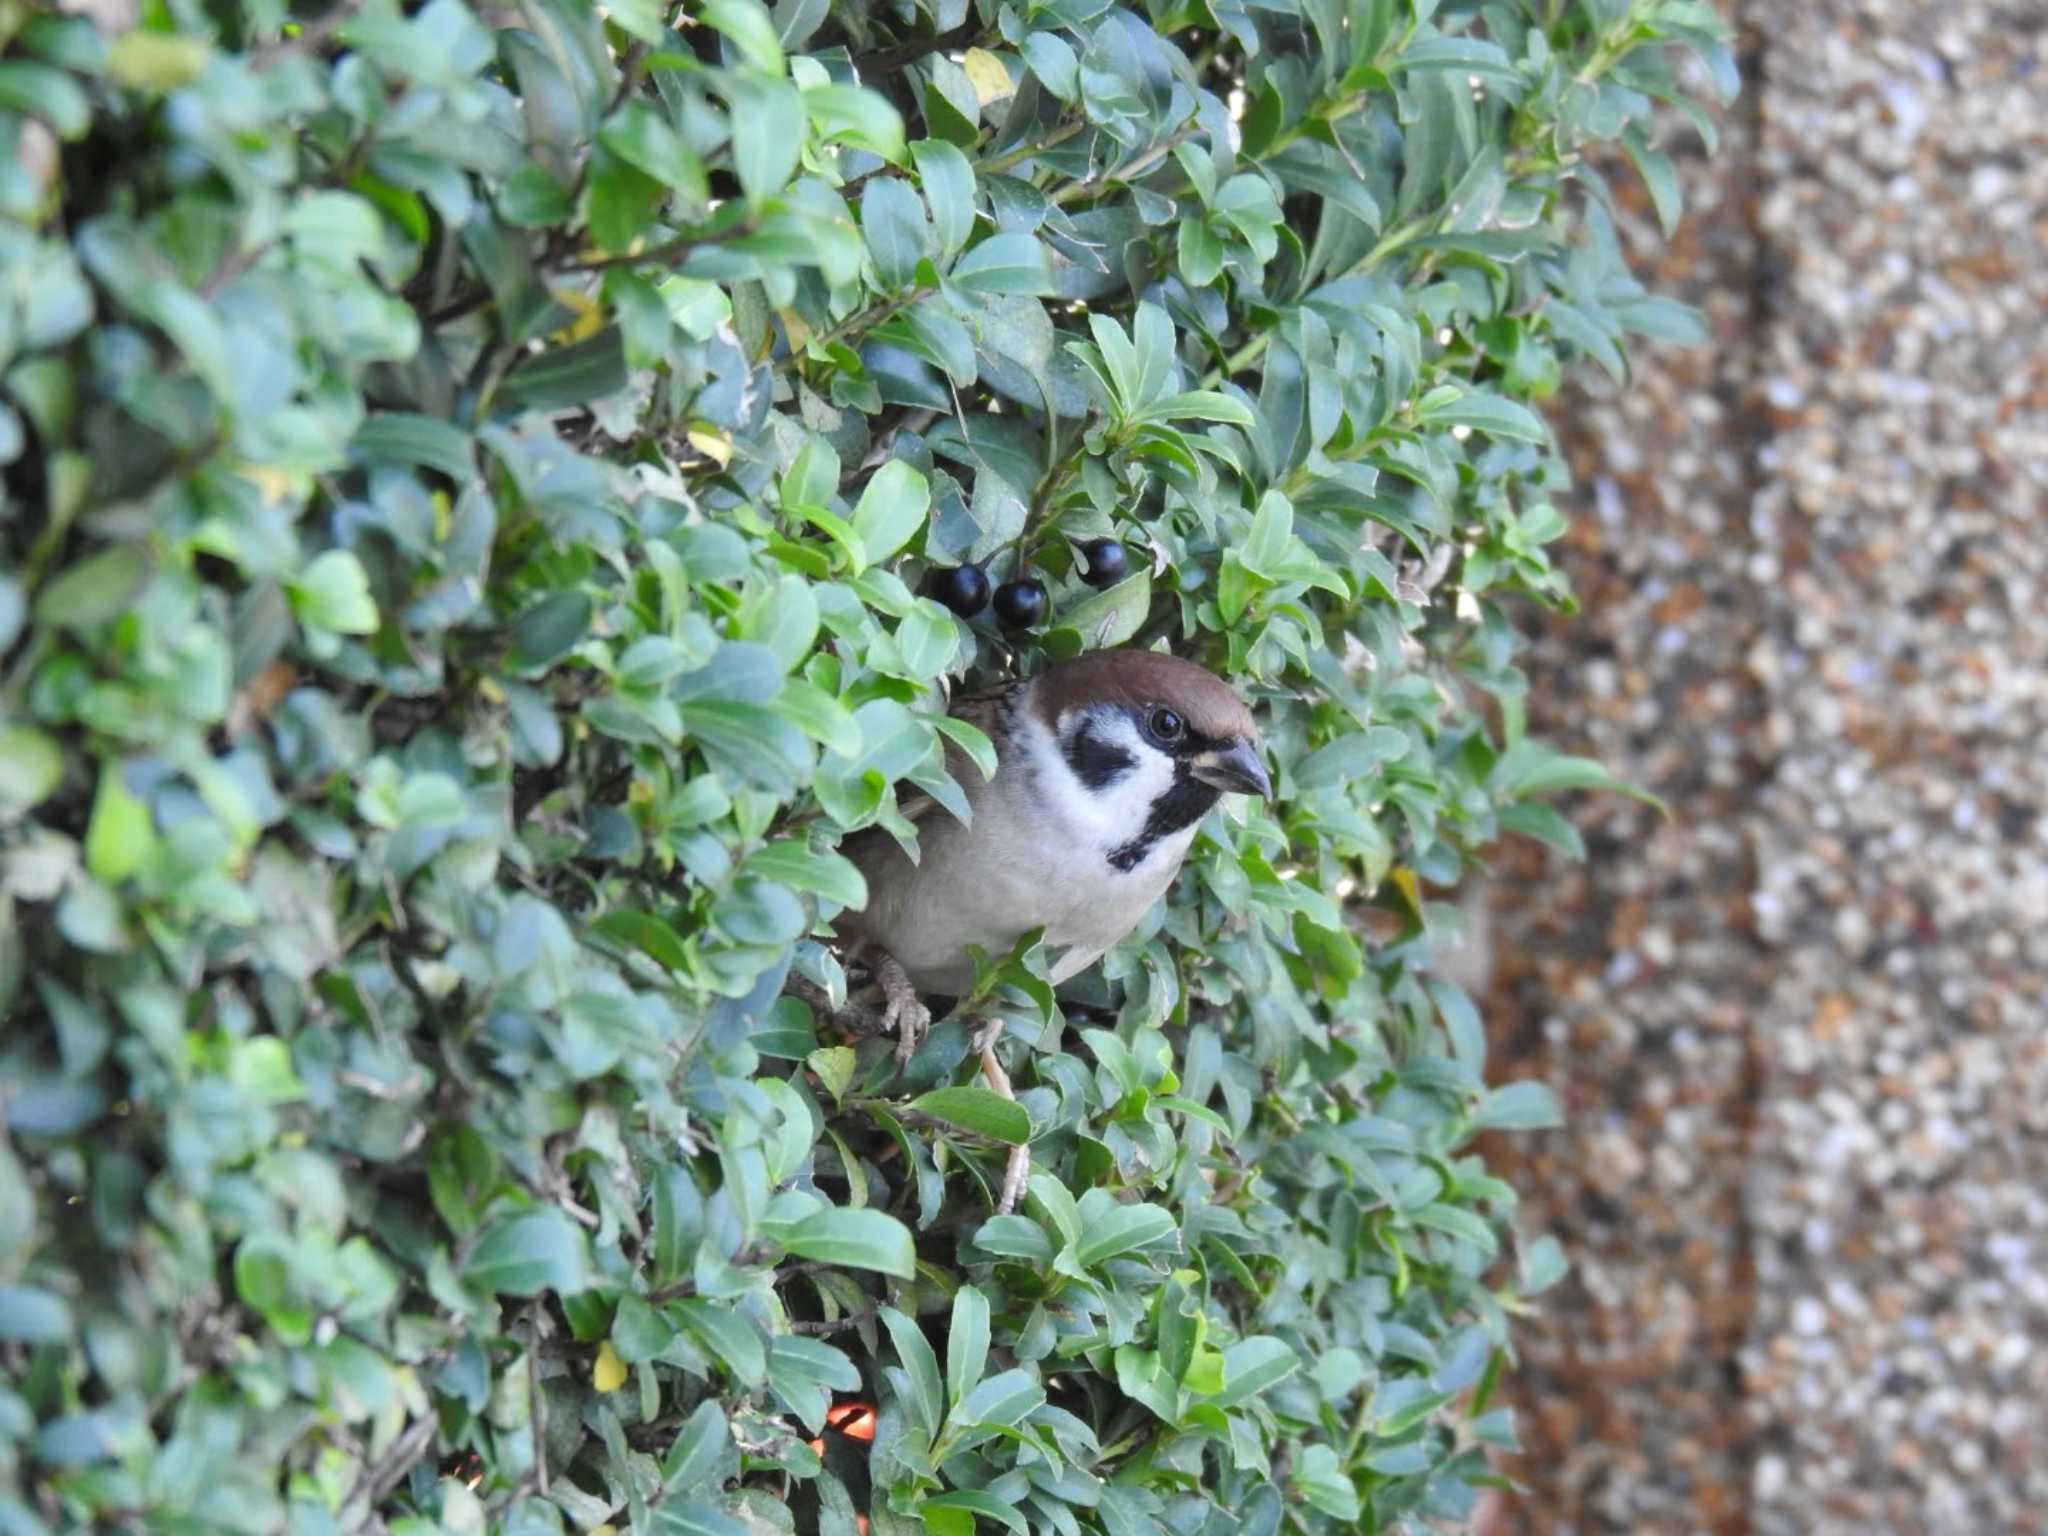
1801	1028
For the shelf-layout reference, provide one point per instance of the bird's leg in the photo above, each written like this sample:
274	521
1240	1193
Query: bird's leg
1017	1171
902	1011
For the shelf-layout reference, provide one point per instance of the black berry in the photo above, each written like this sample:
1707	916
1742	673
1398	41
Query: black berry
1019	604
962	588
1107	562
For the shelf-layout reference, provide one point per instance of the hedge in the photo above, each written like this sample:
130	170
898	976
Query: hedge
470	476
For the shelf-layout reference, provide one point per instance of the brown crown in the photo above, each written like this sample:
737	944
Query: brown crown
1143	680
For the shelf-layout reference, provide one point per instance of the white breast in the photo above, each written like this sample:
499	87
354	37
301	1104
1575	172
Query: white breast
1036	856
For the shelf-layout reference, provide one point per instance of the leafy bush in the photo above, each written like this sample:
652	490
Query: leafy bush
468	477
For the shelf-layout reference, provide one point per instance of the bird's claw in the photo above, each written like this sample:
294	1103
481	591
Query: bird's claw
902	1012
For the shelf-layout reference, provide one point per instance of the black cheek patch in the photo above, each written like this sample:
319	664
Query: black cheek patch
1097	763
1186	801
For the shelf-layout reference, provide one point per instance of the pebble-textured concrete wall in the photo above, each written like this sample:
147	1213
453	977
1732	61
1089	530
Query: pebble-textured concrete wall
1801	1029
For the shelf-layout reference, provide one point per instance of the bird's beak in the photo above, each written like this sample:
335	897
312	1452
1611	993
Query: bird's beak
1235	767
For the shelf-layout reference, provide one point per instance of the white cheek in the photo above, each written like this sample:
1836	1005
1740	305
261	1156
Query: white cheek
1130	800
1107	818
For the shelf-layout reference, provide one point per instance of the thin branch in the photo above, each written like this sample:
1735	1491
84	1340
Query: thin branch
1129	171
851	1320
379	1480
537	1401
310	39
968	34
854	1018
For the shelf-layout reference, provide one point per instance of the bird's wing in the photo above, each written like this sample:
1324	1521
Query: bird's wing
980	710
871	847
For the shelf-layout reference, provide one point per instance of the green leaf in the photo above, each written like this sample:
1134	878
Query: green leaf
1659	176
1531	768
41	91
333	592
860	1239
262	1068
1458	1222
1110	617
31	768
549	630
948	182
1490	414
1122	1229
120	839
1525	1106
639	135
804	1372
1016	1237
801	867
835	1067
971	740
1199	405
891	510
1254	1364
529	1253
573	376
685	1517
1010	262
157	62
1272	536
639	1332
698	1450
853	115
892	219
1000	1401
1542	1265
975	1502
406	437
967	1341
31	1315
95	590
928	640
920	1369
748	24
766	147
736	1342
649	934
978	1110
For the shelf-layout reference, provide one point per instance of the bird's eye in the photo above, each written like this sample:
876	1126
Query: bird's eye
1166	726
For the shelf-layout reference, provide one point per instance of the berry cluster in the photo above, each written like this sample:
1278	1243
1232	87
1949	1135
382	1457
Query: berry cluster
1021	604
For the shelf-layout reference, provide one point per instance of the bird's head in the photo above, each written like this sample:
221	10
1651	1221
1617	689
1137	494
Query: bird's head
1146	744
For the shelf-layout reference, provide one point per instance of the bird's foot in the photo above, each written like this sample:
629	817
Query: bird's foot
1017	1170
902	1012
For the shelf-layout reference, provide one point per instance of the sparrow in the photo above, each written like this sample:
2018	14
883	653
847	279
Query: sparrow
1105	764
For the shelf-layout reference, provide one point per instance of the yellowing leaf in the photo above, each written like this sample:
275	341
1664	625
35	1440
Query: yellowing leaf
712	444
985	72
589	317
609	1373
1409	887
157	61
275	484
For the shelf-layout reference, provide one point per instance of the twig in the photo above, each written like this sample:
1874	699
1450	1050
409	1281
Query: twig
381	1479
1130	170
968	32
854	1018
537	1405
1017	1167
311	39
851	1320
